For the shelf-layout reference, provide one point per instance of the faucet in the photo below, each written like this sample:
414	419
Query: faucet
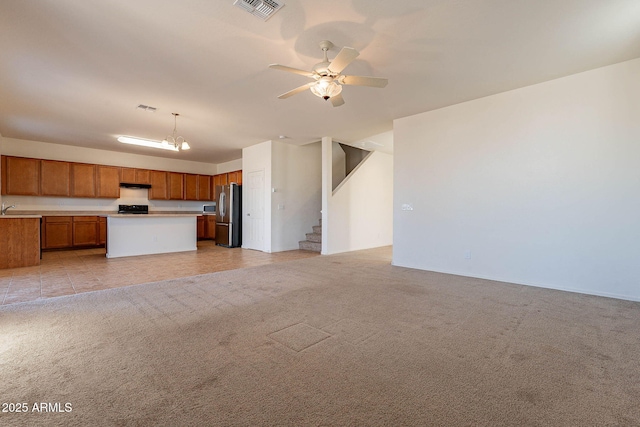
4	210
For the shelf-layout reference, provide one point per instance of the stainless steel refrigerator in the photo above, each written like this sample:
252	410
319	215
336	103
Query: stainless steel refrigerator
228	216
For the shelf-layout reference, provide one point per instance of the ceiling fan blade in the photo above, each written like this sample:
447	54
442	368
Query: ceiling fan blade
292	70
363	81
344	58
337	100
295	91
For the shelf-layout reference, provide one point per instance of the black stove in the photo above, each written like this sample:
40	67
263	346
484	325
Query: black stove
133	209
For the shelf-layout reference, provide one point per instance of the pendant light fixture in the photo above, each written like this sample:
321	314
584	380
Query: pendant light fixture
176	141
172	142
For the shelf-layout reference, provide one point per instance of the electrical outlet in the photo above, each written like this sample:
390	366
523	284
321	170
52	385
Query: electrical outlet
467	254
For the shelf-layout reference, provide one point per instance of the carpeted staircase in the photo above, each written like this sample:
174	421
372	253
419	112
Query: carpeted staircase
314	240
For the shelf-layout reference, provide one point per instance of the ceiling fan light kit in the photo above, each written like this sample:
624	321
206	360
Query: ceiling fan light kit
327	75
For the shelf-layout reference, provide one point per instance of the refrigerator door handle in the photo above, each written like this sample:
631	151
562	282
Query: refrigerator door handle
222	205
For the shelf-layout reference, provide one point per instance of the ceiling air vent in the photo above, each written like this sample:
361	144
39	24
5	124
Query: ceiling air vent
263	9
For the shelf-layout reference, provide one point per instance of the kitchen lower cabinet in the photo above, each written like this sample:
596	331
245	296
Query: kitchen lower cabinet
57	232
210	227
200	227
85	231
102	227
66	232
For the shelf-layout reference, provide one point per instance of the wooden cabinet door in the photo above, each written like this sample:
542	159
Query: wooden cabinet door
233	177
204	187
85	231
83	180
102	226
143	176
20	176
190	186
57	232
159	188
239	177
210	227
128	175
176	186
55	178
201	227
108	182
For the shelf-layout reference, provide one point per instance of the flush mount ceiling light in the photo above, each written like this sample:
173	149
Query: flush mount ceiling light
172	142
146	143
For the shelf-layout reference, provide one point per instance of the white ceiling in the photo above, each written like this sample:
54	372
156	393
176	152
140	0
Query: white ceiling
74	71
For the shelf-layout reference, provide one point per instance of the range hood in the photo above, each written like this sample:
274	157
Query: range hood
134	185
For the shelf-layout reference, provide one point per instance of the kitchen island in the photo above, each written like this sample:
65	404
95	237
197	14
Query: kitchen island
129	235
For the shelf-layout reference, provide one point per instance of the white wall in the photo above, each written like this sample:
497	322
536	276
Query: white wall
296	203
538	186
358	214
231	166
257	158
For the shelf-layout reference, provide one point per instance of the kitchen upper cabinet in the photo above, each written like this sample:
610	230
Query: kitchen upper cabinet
235	176
57	232
143	176
20	176
176	186
190	186
135	176
159	188
108	182
197	187
204	187
83	180
55	178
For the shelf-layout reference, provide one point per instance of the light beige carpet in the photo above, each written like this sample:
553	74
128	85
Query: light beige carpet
328	341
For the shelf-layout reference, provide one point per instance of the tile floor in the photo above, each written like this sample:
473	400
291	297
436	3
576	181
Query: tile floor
72	272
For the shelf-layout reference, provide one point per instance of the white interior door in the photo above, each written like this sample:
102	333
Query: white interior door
253	211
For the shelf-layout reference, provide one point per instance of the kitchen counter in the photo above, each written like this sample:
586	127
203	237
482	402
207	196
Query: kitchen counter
9	216
96	213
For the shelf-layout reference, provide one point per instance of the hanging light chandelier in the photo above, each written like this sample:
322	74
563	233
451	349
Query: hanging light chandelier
173	140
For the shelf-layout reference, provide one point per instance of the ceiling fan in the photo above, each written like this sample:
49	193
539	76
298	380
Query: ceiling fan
327	76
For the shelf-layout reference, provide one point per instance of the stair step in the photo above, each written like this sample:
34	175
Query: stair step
314	237
317	229
310	246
